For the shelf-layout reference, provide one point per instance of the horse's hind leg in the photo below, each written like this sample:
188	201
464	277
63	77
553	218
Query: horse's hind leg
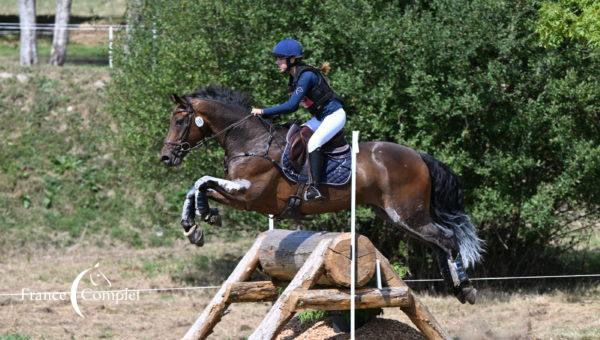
444	245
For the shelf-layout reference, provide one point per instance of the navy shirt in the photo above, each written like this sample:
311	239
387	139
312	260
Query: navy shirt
307	80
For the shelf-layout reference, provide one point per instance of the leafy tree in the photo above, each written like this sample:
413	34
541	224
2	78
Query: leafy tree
467	81
577	20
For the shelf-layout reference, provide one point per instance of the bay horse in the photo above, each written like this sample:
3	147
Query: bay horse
413	191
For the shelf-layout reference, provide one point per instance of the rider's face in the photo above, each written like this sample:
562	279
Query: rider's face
281	63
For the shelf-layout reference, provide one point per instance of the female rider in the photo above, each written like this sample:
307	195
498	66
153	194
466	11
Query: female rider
307	85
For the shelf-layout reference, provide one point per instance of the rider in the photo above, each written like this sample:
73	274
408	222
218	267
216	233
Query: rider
309	87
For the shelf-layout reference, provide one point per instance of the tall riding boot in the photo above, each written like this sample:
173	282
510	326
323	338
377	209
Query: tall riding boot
315	161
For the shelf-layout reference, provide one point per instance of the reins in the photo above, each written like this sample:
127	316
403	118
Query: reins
183	146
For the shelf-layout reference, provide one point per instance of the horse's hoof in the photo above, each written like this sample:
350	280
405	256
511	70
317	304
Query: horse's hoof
467	294
196	237
470	294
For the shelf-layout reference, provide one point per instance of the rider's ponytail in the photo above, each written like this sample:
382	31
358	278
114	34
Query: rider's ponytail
325	67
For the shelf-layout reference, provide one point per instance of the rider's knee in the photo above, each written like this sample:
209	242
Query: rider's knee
313	144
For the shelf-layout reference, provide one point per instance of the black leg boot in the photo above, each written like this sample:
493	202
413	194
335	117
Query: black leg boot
315	160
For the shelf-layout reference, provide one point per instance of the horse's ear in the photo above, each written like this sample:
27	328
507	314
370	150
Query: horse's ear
177	99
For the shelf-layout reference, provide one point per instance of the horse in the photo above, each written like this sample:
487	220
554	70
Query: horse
413	191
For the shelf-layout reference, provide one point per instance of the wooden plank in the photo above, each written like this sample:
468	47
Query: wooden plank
336	299
283	308
214	310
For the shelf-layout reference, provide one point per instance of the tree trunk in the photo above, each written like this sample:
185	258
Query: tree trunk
61	34
134	7
28	36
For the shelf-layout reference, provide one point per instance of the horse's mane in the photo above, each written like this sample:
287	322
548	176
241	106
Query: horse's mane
223	95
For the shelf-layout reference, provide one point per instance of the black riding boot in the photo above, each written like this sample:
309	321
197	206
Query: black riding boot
315	161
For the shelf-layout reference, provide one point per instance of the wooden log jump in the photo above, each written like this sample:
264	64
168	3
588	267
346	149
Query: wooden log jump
307	259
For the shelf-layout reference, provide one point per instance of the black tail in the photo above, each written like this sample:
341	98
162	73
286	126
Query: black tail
448	209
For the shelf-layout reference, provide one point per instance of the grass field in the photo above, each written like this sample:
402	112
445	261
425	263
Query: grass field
556	314
77	53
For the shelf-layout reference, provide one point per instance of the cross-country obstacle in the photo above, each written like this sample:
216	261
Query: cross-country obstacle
305	260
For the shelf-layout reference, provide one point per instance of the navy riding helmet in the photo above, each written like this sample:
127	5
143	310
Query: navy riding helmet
288	48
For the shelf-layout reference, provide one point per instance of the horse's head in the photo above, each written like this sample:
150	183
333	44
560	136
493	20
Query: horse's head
186	129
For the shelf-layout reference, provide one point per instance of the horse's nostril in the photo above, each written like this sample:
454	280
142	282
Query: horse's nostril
165	159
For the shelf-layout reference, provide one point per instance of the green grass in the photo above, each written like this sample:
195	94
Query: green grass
102	8
14	336
76	53
62	177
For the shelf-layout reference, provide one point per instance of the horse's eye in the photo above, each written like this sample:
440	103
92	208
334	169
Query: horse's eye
179	122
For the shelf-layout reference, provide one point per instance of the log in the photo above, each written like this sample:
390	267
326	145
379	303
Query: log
283	252
253	291
322	299
336	299
284	308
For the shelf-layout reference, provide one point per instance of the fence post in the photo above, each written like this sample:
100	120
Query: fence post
110	46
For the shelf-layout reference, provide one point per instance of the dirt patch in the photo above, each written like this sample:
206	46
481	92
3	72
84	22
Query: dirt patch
379	328
168	314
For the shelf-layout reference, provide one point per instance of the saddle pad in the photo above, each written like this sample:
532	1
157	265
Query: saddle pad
337	168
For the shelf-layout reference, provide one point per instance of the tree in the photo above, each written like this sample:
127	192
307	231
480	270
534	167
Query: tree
61	34
465	80
578	20
28	36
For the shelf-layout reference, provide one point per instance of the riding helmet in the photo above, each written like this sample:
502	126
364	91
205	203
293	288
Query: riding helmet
288	48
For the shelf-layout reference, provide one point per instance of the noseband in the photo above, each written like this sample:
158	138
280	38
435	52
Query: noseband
183	146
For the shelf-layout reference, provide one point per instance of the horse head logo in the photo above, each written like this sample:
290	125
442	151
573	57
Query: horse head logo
96	278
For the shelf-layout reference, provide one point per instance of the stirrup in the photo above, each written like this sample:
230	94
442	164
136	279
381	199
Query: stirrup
312	193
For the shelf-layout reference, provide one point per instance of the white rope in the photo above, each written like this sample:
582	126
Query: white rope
70	27
148	290
512	278
141	290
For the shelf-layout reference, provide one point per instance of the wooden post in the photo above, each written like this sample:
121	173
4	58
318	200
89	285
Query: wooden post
282	251
252	291
284	307
214	310
415	310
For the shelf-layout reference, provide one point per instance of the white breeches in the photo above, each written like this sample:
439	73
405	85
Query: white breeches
325	130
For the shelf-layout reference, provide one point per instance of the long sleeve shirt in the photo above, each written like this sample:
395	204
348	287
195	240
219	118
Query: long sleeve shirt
306	81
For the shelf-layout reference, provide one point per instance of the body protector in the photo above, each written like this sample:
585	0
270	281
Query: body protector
319	95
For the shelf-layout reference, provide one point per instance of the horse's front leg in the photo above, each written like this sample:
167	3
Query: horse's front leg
196	203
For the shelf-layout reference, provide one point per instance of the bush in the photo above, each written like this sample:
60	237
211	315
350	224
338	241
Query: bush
464	80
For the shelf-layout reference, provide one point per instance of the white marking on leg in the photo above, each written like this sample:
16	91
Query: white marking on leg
230	186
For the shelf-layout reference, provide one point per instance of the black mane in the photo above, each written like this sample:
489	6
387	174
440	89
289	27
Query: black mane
223	95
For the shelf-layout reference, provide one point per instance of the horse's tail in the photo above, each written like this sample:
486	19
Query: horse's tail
448	210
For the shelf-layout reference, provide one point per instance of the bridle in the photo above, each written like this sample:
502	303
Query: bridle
182	146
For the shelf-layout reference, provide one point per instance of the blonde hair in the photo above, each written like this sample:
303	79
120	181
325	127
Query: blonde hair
325	67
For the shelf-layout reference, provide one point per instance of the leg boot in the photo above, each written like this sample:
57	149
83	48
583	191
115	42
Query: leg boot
315	160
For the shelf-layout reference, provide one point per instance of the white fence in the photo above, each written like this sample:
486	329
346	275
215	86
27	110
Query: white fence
8	28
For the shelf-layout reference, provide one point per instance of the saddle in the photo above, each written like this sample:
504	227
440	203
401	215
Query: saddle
297	139
293	165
